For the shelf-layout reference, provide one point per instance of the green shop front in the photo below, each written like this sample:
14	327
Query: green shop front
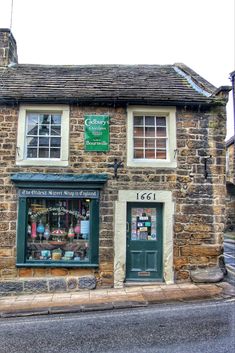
58	219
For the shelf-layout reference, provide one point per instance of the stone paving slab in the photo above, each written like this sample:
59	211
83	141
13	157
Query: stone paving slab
109	299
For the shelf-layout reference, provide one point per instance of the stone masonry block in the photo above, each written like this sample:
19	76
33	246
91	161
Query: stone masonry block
201	250
57	285
72	283
88	282
11	287
35	286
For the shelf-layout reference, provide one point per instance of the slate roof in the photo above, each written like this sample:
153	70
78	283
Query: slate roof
105	84
230	141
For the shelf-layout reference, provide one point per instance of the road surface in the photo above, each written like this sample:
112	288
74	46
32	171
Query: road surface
202	327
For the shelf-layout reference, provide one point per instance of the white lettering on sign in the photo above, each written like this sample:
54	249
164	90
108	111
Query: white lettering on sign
146	196
89	122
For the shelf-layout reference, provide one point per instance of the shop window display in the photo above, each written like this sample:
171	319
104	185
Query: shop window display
58	230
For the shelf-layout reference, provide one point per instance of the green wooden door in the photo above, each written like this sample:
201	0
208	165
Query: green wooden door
144	242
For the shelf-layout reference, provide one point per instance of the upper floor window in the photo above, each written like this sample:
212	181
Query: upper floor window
151	138
43	133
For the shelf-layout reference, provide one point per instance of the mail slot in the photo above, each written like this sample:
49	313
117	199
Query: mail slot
144	274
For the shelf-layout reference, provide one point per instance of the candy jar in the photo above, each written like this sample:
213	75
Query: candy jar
29	230
33	230
71	233
40	230
77	229
47	232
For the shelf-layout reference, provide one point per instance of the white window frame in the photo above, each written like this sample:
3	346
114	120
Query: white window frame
170	114
21	136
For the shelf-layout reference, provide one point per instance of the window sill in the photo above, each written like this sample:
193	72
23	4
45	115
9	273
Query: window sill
43	163
151	164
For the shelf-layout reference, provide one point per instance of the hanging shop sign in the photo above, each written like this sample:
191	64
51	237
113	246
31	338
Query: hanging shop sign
96	133
61	193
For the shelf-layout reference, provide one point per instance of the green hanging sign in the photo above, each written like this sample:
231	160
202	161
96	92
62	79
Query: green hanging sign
96	132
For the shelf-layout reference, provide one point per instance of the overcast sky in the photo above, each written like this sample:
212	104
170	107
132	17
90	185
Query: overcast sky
199	33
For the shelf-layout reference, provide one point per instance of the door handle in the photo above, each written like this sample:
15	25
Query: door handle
127	227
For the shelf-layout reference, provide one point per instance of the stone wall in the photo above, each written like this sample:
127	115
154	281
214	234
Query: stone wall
200	201
230	183
230	175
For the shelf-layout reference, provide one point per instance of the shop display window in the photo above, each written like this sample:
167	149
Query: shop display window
58	229
58	219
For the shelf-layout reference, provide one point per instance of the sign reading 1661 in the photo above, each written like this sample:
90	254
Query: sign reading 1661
96	132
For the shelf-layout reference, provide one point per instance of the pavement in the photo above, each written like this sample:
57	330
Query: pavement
110	299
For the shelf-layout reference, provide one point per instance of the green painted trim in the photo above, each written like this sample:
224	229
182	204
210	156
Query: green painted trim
22	239
21	230
94	230
30	178
52	264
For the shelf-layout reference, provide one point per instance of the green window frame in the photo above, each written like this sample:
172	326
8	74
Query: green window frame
78	183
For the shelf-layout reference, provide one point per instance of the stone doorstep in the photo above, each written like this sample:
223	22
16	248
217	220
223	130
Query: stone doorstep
149	290
170	286
133	289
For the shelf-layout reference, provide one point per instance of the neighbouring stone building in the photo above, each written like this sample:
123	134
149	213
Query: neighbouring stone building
230	186
230	171
109	174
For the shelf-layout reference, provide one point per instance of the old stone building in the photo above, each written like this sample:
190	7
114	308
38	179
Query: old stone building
230	171
230	185
109	174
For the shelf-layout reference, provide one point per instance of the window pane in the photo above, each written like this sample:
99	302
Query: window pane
161	143
55	141
161	121
43	141
150	143
32	141
144	224
161	131
44	130
138	154
44	119
58	230
31	152
55	130
55	153
150	154
138	120
32	119
161	154
150	120
149	131
43	153
138	131
32	130
55	119
138	142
